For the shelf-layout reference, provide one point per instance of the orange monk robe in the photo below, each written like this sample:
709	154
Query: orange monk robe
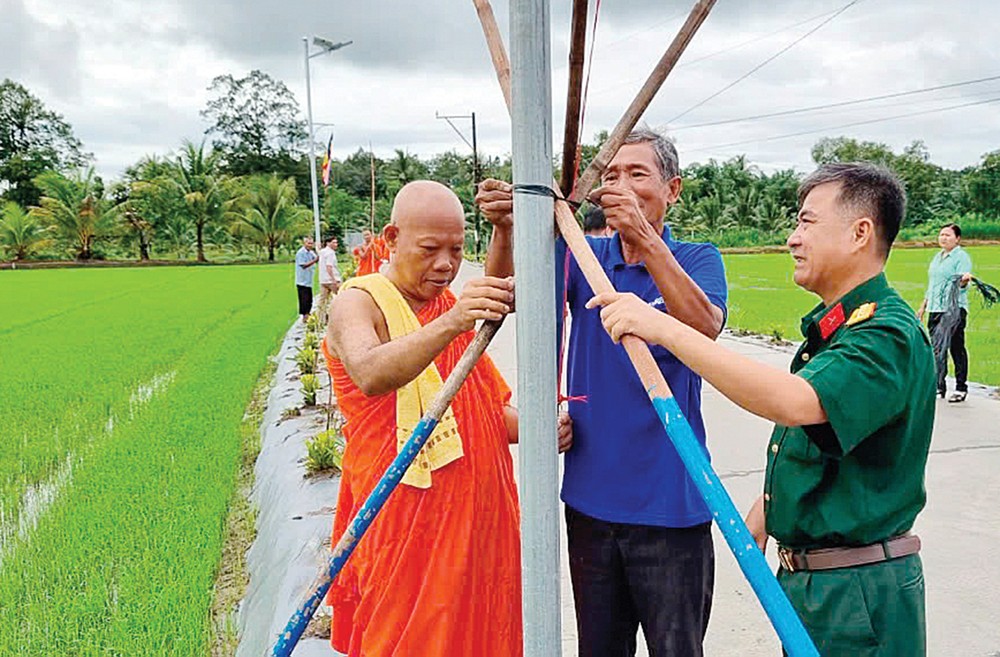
371	262
438	572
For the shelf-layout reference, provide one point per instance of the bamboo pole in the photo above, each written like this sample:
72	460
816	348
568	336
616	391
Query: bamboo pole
574	95
779	610
371	218
501	64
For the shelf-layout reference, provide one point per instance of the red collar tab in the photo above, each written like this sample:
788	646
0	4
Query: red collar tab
832	321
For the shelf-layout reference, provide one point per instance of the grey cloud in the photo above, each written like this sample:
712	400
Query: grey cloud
872	48
32	49
386	34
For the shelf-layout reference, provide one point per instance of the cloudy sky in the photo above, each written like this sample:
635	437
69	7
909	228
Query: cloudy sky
131	77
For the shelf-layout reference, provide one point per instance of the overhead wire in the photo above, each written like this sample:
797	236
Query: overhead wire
766	61
846	103
845	125
748	42
684	63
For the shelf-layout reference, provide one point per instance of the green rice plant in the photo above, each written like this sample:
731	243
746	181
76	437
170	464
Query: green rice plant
310	386
305	359
324	452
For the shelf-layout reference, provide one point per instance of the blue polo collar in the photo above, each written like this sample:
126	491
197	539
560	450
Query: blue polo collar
616	260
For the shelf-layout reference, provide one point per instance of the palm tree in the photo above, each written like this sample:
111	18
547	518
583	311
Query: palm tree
20	233
196	176
772	216
178	233
146	200
710	211
405	168
76	208
268	212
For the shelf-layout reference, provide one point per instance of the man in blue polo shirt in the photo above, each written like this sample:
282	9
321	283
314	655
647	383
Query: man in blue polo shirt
639	535
305	260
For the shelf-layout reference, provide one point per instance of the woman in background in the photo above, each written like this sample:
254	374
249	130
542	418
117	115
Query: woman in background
949	263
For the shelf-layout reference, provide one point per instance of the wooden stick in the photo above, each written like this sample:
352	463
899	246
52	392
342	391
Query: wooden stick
571	129
634	112
371	160
501	64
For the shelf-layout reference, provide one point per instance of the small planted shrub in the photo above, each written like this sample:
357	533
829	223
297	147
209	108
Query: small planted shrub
312	323
310	386
306	361
311	341
324	452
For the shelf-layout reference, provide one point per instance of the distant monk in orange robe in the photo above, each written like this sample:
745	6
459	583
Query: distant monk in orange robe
371	254
438	572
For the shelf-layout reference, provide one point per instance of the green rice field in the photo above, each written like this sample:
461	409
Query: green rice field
764	299
121	396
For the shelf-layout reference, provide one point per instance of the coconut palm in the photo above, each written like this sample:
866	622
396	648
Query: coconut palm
404	168
268	213
146	199
196	176
75	206
178	233
21	234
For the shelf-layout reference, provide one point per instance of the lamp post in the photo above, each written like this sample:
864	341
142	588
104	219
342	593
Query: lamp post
475	160
325	46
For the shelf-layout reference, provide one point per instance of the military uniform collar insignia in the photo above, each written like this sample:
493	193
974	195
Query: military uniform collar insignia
831	321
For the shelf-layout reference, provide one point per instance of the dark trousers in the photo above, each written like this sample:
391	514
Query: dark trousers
625	576
305	299
958	353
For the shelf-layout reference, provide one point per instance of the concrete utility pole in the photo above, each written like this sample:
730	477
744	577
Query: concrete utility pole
534	264
325	47
475	163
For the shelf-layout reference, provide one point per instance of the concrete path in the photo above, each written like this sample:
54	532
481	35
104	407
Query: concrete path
960	526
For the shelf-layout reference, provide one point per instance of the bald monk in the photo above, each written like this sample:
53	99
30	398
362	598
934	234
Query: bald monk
438	572
371	254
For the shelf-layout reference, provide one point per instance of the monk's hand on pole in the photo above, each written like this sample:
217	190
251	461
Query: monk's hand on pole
495	200
482	299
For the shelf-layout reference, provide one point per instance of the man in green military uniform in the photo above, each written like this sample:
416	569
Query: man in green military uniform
846	460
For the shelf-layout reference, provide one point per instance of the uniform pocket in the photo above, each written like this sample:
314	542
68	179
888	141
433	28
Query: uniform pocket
833	608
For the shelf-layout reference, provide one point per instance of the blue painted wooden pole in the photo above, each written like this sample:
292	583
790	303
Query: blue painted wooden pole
779	610
366	515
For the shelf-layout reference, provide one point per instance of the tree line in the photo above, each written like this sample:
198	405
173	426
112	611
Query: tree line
243	190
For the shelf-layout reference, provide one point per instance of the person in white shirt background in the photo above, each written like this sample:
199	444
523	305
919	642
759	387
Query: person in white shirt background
329	276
